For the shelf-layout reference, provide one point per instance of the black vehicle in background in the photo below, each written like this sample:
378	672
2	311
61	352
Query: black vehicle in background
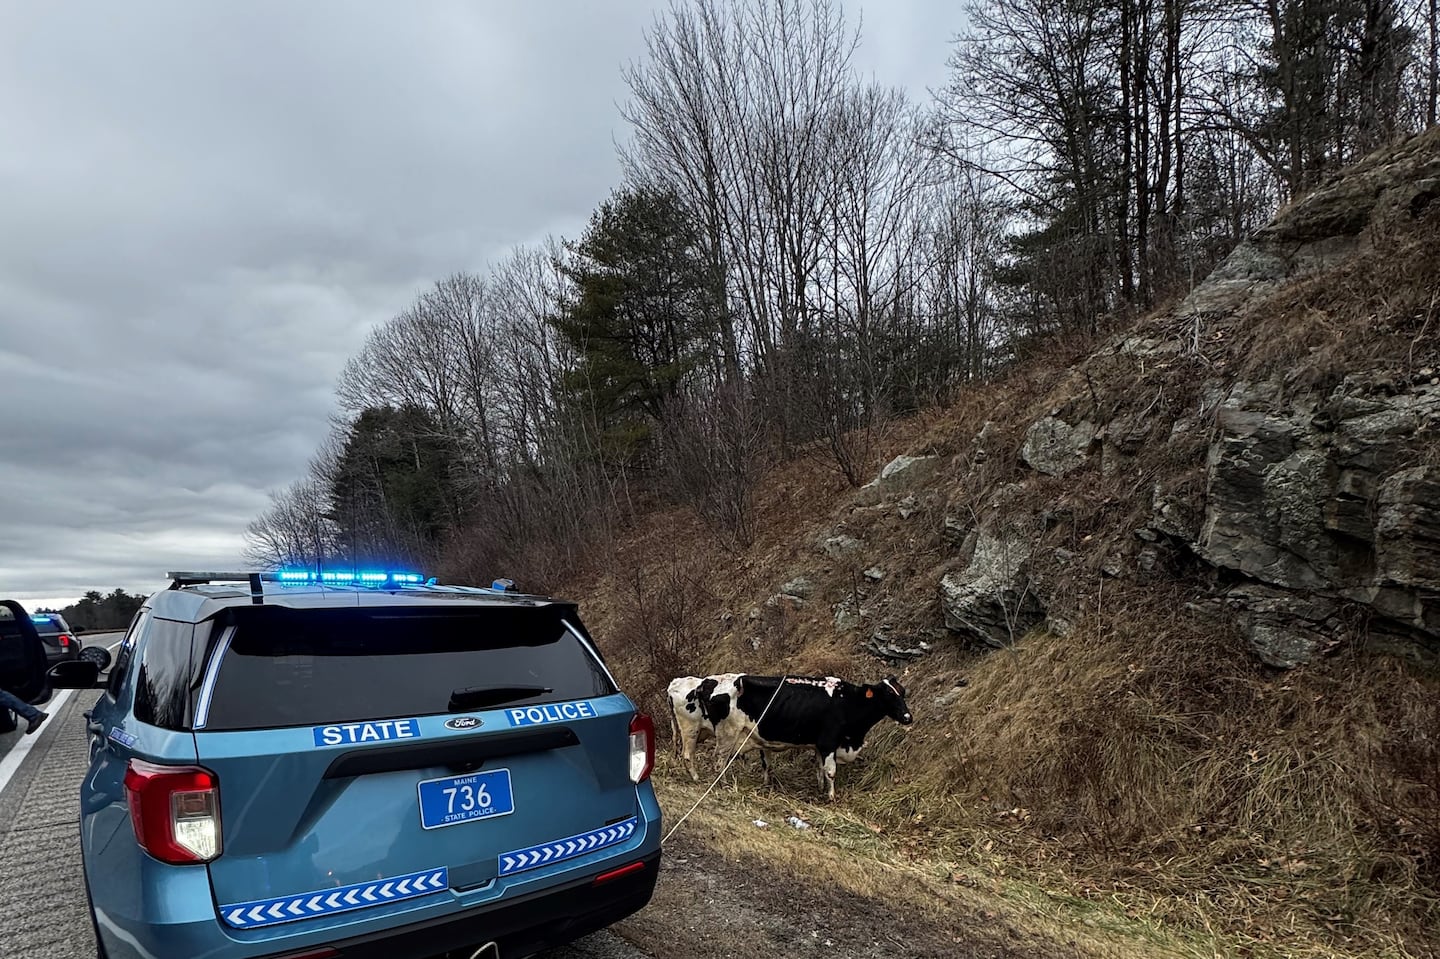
61	645
23	660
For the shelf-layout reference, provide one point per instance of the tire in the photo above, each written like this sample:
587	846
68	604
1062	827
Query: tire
7	721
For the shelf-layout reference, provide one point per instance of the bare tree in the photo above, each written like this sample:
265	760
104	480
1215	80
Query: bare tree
730	111
295	530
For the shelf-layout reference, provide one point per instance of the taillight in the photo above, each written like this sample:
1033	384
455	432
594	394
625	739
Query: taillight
618	873
642	747
175	811
64	641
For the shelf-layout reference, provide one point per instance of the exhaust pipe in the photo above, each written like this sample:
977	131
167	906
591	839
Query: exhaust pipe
490	950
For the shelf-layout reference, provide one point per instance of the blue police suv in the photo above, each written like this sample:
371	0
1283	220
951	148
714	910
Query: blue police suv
300	766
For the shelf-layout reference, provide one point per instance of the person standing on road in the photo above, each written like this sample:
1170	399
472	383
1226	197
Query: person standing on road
32	716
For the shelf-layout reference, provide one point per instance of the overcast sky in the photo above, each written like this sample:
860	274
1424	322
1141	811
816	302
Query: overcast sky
204	207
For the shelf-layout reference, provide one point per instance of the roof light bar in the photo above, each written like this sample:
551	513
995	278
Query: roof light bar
292	576
348	577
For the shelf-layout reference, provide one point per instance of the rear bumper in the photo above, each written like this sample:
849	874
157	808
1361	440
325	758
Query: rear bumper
519	927
162	911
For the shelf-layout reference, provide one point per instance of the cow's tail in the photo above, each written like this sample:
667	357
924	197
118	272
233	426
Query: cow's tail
675	745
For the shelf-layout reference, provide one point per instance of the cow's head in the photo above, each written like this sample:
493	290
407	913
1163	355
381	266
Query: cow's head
891	697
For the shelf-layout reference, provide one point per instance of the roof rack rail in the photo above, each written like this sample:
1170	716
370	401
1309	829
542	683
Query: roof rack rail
196	578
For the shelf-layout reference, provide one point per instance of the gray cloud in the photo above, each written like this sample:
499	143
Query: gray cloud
207	206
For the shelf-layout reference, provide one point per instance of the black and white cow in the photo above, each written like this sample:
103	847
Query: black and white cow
689	699
792	712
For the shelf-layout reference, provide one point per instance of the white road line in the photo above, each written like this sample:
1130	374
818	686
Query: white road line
22	748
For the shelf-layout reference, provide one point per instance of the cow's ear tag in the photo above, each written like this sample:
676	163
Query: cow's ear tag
869	694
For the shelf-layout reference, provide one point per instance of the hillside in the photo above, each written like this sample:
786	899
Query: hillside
1167	604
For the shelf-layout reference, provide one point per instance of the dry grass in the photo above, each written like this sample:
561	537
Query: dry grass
1378	311
1148	760
950	884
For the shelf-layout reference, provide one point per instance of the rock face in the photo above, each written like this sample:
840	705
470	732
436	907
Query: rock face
1323	229
1316	510
1322	499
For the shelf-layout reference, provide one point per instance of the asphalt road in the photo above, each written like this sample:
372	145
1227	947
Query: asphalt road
42	897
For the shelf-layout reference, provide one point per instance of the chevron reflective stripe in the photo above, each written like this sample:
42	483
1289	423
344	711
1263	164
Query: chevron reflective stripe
561	849
325	902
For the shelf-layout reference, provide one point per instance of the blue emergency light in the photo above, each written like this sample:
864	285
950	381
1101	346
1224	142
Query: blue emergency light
347	577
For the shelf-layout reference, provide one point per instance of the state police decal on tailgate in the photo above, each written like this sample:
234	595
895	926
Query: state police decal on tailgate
376	731
553	713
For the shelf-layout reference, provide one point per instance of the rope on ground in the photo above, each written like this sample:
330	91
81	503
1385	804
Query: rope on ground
743	743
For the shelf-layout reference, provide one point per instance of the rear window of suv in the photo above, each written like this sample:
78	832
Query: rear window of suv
289	667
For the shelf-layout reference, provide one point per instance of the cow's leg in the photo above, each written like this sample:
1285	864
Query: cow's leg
691	737
827	775
688	734
764	768
825	752
724	749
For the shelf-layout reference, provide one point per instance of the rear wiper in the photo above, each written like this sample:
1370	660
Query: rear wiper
479	697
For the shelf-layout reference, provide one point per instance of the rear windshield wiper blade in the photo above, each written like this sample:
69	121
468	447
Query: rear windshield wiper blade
479	697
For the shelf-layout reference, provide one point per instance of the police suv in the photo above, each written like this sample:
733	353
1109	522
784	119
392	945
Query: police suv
310	765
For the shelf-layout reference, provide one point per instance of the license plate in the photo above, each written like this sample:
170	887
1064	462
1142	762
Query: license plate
456	799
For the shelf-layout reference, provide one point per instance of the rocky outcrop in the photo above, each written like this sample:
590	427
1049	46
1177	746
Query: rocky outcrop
1325	228
1316	510
1322	498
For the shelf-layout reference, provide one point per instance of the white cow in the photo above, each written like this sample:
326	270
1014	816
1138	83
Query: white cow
689	720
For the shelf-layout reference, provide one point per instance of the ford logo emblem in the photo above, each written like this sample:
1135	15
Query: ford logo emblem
463	722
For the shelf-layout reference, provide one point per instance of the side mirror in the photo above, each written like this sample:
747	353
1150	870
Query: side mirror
76	674
98	655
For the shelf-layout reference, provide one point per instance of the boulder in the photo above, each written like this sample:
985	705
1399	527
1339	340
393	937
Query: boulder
991	599
1407	528
1055	448
847	617
1284	630
799	586
900	475
839	545
884	646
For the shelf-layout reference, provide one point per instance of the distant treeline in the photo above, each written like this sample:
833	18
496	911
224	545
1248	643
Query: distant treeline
798	253
100	613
